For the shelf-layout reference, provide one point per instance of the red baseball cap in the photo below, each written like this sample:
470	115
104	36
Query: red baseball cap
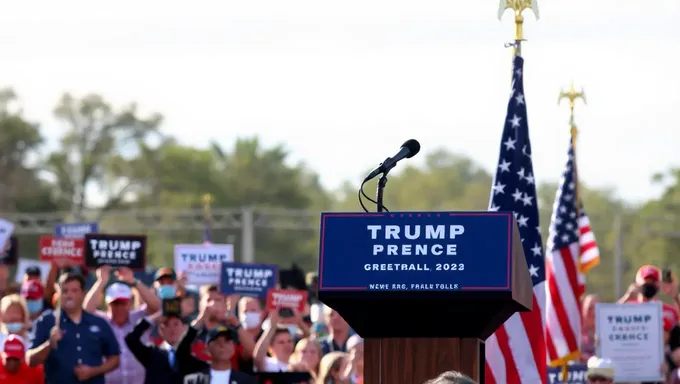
15	347
32	290
647	272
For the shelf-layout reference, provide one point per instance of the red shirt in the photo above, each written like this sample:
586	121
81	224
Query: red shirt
25	375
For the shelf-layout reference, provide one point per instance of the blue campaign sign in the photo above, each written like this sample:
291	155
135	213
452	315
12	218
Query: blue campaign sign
75	230
576	374
248	279
416	251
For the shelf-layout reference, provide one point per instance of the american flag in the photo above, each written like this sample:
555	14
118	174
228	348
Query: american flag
571	251
515	353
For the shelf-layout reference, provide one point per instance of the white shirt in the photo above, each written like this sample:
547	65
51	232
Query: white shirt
219	377
271	364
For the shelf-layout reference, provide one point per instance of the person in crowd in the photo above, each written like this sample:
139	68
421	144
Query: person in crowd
355	369
189	307
306	357
332	368
213	313
34	293
588	326
600	371
647	286
221	347
165	283
75	346
672	337
160	362
14	369
15	318
33	273
121	317
250	316
339	332
276	340
451	377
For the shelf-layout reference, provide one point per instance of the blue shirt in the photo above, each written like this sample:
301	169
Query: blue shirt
88	342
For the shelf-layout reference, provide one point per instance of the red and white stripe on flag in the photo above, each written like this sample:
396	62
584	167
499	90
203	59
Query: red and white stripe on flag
590	253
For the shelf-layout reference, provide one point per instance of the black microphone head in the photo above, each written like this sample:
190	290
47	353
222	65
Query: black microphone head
413	147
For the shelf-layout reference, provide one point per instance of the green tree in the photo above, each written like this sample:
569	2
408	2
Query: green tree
21	188
175	177
96	134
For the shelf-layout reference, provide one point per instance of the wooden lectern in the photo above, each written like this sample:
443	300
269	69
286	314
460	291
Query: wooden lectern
413	335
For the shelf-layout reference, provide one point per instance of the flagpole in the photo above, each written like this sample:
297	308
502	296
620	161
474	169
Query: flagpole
518	7
572	95
207	211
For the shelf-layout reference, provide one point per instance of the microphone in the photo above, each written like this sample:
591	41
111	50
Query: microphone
409	149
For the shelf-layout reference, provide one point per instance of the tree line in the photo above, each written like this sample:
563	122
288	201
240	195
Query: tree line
117	153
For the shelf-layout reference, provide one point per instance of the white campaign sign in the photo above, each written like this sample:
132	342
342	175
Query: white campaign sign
6	230
631	335
202	263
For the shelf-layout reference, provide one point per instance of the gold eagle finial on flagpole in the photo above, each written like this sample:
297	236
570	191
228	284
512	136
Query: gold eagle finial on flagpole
518	6
572	95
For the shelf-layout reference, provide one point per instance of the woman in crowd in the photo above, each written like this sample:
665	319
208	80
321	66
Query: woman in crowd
306	357
14	316
355	368
333	368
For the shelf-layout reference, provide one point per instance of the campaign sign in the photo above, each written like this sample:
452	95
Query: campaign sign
115	250
9	254
416	251
6	230
286	298
202	263
248	279
576	374
632	336
72	251
75	230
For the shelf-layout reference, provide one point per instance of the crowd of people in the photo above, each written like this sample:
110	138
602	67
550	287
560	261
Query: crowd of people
117	331
55	329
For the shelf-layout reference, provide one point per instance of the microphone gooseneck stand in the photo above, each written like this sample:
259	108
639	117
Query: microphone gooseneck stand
381	186
381	191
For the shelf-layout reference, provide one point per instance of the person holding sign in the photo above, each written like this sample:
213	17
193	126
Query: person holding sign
121	316
278	342
81	348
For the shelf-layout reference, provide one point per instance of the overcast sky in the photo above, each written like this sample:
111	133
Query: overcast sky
343	84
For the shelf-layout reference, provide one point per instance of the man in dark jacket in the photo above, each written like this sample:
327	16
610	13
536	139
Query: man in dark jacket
161	362
221	348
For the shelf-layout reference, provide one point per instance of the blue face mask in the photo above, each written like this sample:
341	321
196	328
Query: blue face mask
14	327
34	306
166	292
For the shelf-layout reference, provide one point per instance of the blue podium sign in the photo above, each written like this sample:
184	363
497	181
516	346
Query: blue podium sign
416	251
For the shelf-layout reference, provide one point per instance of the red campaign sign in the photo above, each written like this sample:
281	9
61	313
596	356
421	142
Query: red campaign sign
286	298
54	248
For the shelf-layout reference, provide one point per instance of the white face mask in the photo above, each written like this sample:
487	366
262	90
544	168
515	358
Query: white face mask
250	320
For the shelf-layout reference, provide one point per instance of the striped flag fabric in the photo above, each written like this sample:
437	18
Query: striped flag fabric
589	254
572	250
515	353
